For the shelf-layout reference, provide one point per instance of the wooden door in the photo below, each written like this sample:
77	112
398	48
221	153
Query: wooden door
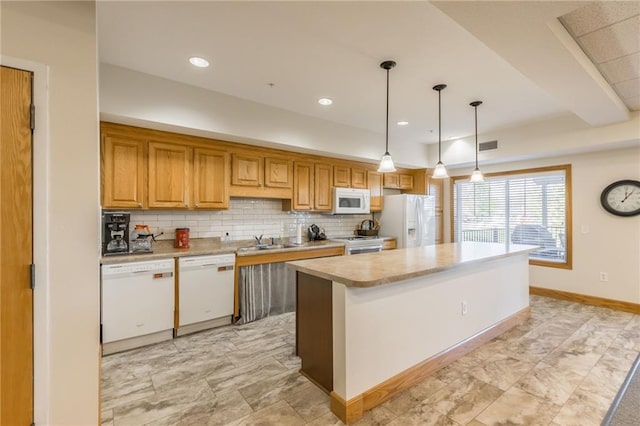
358	178
375	187
210	179
169	175
16	249
246	170
302	186
278	173
123	172
342	176
323	185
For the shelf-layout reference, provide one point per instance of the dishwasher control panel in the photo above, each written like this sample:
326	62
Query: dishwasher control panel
155	266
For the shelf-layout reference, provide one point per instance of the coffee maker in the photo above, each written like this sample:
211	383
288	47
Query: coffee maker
115	233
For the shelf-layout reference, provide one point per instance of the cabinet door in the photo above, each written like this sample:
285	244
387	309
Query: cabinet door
123	171
323	183
169	175
406	181
436	188
341	176
302	186
358	178
278	173
246	170
391	180
210	179
375	186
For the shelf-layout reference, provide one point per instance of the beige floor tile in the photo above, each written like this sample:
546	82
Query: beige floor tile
517	407
461	400
501	371
555	384
280	414
412	397
378	416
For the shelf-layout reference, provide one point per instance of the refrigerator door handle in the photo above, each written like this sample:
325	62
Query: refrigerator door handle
419	220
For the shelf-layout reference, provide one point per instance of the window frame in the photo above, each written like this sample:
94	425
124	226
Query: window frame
568	264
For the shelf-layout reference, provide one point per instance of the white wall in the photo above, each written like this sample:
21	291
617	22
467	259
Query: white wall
132	97
601	242
245	218
62	36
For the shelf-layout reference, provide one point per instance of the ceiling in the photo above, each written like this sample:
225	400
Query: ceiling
609	33
289	54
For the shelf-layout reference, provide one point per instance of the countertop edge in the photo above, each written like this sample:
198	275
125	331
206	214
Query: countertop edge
295	265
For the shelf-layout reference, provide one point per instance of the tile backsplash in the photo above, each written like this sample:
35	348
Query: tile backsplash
245	218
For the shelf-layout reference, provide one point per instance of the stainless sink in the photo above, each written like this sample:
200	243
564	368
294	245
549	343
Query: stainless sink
267	247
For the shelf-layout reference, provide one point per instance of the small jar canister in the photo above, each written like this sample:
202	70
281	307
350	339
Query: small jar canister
182	238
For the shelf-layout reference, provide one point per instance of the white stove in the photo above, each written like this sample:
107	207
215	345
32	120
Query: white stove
356	244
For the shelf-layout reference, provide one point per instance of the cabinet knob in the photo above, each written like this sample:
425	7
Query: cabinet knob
197	205
186	204
139	204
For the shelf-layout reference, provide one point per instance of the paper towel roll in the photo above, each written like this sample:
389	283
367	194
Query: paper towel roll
299	234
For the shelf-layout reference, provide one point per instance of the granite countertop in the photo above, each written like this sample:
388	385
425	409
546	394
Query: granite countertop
163	249
372	269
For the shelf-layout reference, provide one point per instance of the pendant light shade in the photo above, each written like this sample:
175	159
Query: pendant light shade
386	163
440	172
476	176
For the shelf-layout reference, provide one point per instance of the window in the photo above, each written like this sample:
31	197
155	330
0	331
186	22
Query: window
530	206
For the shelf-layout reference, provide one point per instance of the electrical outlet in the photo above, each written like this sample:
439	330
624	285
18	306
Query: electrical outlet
604	277
464	307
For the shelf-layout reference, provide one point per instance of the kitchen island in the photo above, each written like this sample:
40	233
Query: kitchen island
371	325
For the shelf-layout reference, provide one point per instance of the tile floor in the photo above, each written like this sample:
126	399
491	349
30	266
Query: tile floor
562	367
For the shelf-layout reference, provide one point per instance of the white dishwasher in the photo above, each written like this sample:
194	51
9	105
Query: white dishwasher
138	300
205	292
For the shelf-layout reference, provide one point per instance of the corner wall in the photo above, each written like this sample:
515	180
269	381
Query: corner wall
61	38
601	242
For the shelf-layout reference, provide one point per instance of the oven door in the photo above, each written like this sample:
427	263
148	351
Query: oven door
360	250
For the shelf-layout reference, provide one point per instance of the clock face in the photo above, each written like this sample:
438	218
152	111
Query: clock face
622	198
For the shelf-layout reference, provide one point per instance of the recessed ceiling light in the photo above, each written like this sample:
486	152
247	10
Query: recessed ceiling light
402	123
199	62
325	101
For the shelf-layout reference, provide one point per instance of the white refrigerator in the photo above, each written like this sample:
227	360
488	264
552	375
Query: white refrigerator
410	218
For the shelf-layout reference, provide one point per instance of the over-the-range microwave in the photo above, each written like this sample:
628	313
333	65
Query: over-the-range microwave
351	201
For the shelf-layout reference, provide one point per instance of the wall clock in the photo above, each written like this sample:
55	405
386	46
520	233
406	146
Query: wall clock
622	198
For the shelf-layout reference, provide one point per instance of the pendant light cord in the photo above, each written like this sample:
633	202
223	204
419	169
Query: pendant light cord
387	120
439	127
476	113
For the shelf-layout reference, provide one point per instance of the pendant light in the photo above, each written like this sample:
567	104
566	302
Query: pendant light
476	176
440	172
386	163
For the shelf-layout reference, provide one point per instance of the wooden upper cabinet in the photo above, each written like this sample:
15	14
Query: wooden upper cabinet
323	186
391	180
406	181
436	189
246	170
210	179
375	187
303	186
358	178
342	176
169	175
123	172
278	173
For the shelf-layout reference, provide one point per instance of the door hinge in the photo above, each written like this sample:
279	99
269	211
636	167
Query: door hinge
33	275
32	111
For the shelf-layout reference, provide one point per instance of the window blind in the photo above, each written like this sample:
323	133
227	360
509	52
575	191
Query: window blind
522	208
